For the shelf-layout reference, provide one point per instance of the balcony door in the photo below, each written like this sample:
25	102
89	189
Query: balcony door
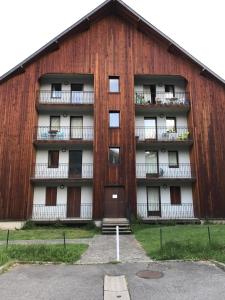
151	163
75	163
149	93
77	93
153	201
150	128
76	127
73	202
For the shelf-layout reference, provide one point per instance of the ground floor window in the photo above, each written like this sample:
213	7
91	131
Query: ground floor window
51	195
175	195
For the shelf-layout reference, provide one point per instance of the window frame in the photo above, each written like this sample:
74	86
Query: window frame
114	77
50	159
114	112
51	196
175	199
177	159
110	162
173	89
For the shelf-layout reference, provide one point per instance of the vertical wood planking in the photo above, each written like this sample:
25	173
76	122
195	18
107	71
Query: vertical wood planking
111	47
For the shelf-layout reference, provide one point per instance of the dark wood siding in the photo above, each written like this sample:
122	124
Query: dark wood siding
111	47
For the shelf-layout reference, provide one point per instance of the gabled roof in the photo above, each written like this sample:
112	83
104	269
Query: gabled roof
107	7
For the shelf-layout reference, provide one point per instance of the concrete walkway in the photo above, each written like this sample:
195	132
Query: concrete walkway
102	249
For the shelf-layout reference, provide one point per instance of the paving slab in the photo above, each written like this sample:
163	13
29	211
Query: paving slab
115	287
102	249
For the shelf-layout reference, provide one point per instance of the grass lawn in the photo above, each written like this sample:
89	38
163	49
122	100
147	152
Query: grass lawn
42	253
48	232
182	241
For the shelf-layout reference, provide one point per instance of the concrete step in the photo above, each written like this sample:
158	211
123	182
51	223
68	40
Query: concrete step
109	229
115	221
109	225
114	229
114	225
114	232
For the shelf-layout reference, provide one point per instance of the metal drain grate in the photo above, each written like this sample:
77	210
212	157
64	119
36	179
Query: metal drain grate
146	274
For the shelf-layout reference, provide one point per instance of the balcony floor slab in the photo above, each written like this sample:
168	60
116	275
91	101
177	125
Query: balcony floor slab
64	181
58	144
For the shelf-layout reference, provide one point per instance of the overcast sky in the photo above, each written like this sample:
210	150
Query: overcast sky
196	25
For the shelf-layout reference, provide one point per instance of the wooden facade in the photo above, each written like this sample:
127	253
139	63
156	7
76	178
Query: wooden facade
111	42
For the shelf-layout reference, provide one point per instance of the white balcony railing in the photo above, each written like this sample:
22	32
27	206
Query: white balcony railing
163	171
42	171
64	133
59	212
162	133
165	211
164	98
66	97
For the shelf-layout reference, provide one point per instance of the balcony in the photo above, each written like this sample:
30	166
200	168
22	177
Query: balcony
64	173
165	211
46	136
163	136
162	172
162	102
59	212
65	101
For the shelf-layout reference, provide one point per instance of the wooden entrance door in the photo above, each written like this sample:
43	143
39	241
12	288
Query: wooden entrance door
73	202
75	164
114	203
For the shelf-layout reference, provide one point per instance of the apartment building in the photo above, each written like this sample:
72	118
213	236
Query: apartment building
111	119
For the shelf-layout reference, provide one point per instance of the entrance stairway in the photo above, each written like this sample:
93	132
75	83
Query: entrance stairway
109	226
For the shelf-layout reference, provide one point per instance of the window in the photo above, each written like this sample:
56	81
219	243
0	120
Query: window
54	123
53	159
114	155
173	159
114	84
175	195
56	90
51	195
171	125
77	87
169	89
114	119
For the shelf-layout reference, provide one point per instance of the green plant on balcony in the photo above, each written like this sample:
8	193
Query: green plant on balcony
140	98
183	136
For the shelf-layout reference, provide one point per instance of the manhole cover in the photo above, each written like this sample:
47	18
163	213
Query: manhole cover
146	274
